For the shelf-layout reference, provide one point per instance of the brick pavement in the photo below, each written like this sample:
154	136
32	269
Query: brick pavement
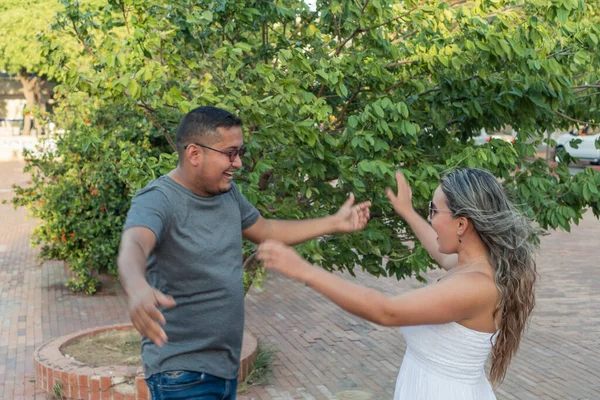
326	352
323	352
35	306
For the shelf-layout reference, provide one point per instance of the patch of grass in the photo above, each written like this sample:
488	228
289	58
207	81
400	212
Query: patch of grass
120	347
262	369
57	391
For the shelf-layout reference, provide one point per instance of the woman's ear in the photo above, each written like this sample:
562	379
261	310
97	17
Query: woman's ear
463	225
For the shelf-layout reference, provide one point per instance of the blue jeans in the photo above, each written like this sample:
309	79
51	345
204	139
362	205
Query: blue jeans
187	385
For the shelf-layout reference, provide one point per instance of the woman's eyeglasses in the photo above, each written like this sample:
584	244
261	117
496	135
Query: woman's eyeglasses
433	210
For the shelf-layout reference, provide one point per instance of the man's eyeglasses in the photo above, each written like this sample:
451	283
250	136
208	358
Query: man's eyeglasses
433	210
232	154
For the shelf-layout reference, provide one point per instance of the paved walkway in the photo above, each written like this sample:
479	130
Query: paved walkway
324	353
35	305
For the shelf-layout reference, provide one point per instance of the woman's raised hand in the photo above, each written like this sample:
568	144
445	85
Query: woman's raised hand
402	201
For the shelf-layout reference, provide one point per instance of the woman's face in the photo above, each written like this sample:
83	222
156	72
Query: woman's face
443	223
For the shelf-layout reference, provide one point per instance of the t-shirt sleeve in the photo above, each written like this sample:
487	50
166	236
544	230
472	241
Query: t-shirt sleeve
248	212
149	208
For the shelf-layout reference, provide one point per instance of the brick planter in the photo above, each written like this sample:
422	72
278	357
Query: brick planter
114	382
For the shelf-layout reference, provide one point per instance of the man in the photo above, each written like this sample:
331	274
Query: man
180	259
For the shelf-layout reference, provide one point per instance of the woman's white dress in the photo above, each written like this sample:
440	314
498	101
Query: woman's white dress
444	362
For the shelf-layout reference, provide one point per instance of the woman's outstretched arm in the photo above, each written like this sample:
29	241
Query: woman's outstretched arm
454	299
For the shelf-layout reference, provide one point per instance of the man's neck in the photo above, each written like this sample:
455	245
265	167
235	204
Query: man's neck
179	176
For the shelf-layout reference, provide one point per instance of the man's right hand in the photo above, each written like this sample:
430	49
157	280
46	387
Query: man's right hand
145	315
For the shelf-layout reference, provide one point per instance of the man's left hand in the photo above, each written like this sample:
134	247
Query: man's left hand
351	217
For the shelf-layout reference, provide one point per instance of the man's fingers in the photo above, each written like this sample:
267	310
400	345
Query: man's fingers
361	215
148	328
366	210
350	201
153	330
147	319
138	326
164	300
154	314
156	334
364	205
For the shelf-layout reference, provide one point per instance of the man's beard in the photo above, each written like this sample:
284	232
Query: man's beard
220	191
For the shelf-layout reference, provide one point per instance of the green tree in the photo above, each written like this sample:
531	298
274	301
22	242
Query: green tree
335	100
21	24
20	52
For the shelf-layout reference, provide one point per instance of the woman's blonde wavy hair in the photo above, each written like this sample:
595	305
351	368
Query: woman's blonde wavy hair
477	195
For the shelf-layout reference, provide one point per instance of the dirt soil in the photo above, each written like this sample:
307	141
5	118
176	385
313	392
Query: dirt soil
119	347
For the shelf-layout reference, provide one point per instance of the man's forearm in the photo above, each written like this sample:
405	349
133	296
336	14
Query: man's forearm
294	232
132	268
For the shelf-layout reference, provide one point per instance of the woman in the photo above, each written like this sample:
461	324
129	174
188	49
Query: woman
480	306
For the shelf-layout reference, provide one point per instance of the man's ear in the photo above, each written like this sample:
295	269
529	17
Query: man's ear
192	155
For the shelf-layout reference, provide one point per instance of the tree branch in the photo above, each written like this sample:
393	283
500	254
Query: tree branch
343	113
397	64
458	3
404	37
124	11
164	131
565	52
575	120
339	27
358	30
353	34
398	17
433	89
302	25
81	39
321	90
581	88
588	95
504	10
263	181
387	258
341	45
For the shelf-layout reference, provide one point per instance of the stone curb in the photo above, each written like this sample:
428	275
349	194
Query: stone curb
115	382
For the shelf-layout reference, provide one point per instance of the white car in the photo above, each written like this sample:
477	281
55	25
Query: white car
585	150
507	135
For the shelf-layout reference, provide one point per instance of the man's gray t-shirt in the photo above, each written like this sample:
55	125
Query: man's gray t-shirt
197	260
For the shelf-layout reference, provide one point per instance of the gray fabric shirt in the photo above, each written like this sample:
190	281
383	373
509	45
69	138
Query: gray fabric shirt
197	260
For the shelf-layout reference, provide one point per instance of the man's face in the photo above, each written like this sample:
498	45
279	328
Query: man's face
215	170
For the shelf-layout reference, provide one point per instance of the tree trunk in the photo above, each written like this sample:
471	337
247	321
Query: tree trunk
548	146
37	90
263	182
33	96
